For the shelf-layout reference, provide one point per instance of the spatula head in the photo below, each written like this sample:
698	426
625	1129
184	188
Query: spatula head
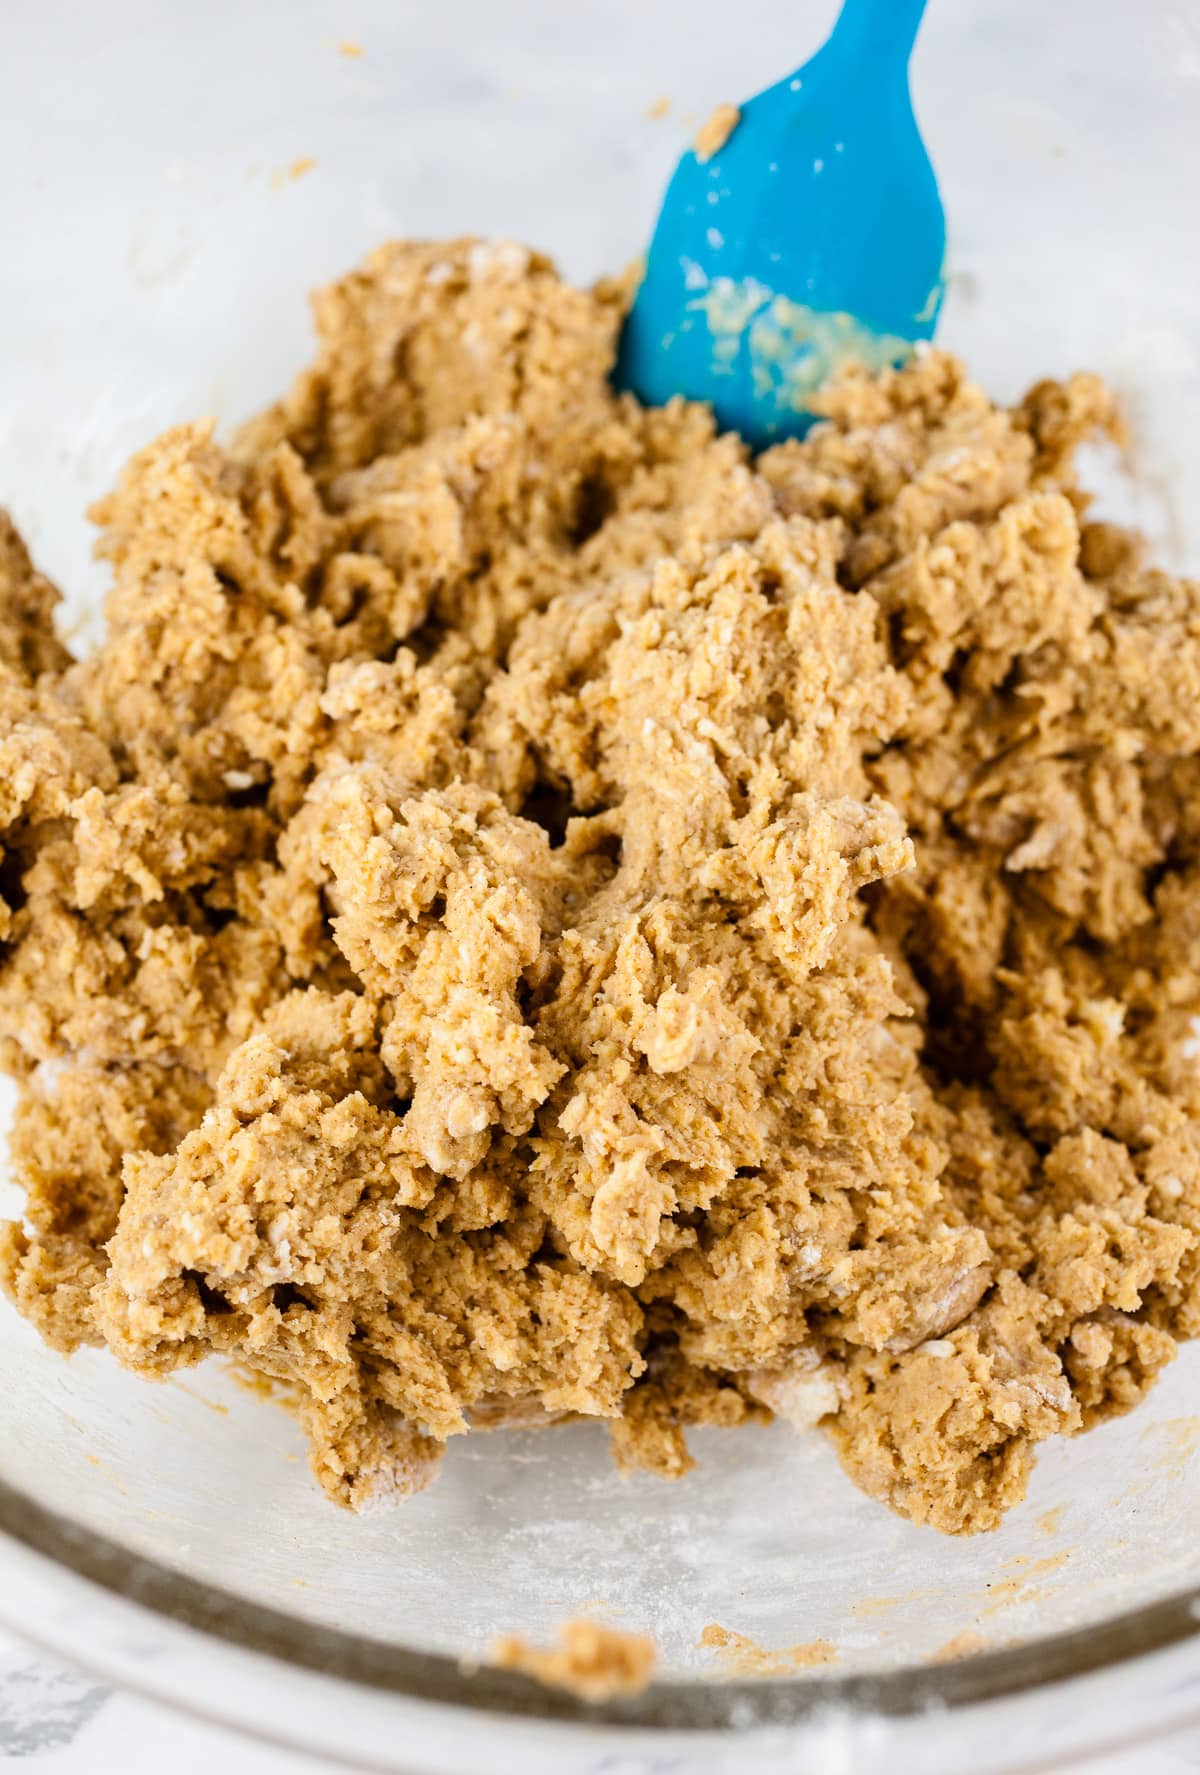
814	235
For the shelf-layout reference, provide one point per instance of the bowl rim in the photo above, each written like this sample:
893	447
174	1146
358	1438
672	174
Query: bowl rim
700	1704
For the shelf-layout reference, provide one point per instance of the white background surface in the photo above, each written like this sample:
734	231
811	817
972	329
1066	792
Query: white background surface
56	1722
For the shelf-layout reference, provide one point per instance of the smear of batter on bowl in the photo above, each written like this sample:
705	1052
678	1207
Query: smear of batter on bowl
595	1662
742	1656
963	1645
1021	1586
296	169
531	913
1050	1521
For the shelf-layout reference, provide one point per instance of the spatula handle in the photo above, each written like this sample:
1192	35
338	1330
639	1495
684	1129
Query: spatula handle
875	35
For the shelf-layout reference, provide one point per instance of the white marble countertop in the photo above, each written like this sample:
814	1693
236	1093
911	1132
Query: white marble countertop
55	1721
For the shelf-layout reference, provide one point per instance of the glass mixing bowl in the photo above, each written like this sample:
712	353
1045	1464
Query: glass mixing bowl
176	178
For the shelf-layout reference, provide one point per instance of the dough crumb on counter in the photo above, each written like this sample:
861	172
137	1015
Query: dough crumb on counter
595	1662
531	913
715	131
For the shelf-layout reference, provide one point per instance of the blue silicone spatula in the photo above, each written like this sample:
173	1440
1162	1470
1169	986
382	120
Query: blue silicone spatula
815	234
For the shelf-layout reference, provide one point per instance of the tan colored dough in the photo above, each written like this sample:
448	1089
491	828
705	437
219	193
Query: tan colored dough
715	131
529	913
595	1662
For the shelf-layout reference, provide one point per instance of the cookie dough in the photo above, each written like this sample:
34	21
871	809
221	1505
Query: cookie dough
595	1662
531	913
715	131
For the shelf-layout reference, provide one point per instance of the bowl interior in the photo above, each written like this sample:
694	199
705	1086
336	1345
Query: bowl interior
522	1529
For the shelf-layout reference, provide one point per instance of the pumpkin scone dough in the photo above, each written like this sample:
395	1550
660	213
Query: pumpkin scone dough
530	913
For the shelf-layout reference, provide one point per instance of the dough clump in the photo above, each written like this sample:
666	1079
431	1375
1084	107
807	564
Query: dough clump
530	913
594	1662
715	131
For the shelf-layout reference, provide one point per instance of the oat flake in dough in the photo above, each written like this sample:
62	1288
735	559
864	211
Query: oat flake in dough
530	913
